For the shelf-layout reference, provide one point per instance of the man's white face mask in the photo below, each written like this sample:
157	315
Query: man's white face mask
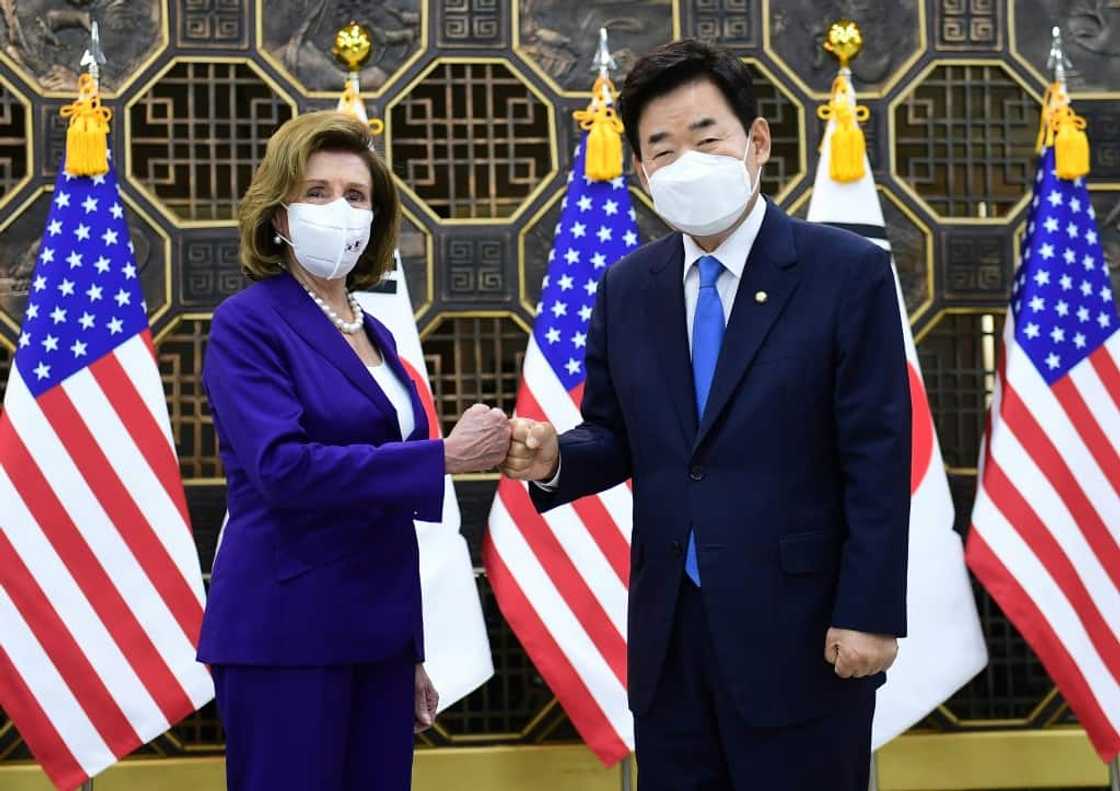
702	194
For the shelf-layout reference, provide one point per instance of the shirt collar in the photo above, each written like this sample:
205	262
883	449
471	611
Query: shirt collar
733	252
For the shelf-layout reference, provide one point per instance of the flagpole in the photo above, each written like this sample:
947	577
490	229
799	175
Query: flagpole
873	781
1114	775
627	774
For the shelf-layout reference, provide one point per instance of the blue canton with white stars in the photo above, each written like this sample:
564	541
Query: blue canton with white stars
85	297
1061	299
597	227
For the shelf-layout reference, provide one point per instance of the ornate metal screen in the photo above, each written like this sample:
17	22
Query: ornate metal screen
477	98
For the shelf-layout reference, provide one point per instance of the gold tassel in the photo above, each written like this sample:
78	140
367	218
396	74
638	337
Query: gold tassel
1071	144
603	158
1064	129
848	147
87	147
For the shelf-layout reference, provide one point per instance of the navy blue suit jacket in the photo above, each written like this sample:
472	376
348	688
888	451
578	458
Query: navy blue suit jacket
796	481
319	562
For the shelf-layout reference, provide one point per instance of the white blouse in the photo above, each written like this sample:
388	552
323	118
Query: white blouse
398	395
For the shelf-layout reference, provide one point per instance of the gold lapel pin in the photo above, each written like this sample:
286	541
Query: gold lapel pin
761	296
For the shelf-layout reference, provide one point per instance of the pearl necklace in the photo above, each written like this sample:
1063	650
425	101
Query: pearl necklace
349	327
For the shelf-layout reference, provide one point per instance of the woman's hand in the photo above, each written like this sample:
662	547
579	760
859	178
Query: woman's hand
427	701
479	441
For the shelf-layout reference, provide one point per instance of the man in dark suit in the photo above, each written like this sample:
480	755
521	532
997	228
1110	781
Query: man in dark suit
748	373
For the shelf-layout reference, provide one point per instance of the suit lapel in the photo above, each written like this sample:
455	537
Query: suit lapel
668	333
308	321
770	270
380	334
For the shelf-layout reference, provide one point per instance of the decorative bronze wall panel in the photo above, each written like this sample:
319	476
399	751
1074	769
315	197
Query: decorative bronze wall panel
14	164
472	23
472	359
197	134
732	23
893	36
213	24
43	40
296	37
471	140
477	98
560	37
180	353
965	135
1090	30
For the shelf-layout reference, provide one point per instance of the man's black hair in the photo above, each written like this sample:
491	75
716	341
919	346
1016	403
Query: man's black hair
671	65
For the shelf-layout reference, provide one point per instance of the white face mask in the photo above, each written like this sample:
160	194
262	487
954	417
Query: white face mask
702	194
328	238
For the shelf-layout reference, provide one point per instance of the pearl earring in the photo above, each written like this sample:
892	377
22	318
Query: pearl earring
276	239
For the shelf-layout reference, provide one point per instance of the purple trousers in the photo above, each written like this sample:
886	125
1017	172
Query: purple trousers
337	728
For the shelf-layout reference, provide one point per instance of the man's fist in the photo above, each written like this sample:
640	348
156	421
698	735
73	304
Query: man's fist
534	452
858	654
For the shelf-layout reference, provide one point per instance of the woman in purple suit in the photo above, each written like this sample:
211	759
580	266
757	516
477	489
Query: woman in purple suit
313	624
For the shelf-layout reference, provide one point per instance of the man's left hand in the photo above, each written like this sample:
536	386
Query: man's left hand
427	701
858	654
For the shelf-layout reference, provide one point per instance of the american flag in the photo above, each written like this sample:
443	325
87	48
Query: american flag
561	579
1045	537
101	592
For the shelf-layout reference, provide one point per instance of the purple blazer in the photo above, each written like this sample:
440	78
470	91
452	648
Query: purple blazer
319	562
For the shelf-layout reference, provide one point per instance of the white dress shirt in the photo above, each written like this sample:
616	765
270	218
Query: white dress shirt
398	395
732	253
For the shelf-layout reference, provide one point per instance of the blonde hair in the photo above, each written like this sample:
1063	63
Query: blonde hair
281	171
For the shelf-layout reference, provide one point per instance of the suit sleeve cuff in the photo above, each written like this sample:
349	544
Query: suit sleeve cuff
551	485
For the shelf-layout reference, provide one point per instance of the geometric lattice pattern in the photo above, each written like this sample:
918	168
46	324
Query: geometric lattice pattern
198	134
472	360
786	138
958	364
964	136
180	355
471	140
13	140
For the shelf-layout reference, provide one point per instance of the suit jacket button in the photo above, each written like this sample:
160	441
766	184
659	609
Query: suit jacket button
696	473
678	550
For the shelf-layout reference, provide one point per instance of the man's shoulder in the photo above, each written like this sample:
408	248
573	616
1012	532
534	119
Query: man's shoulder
829	249
635	265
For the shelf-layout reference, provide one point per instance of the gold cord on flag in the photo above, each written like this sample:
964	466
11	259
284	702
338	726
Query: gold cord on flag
87	138
848	145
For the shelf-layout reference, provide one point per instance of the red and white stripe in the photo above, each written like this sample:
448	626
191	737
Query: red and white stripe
101	597
562	581
1045	537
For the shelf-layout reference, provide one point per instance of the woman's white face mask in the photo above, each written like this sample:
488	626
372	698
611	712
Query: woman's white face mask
702	194
328	238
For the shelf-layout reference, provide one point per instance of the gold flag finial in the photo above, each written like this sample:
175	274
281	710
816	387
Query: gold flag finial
353	44
844	40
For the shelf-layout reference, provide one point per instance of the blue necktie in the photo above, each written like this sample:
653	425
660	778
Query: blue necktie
707	337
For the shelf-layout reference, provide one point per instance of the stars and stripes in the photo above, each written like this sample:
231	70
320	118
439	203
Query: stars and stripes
561	579
100	587
1045	537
